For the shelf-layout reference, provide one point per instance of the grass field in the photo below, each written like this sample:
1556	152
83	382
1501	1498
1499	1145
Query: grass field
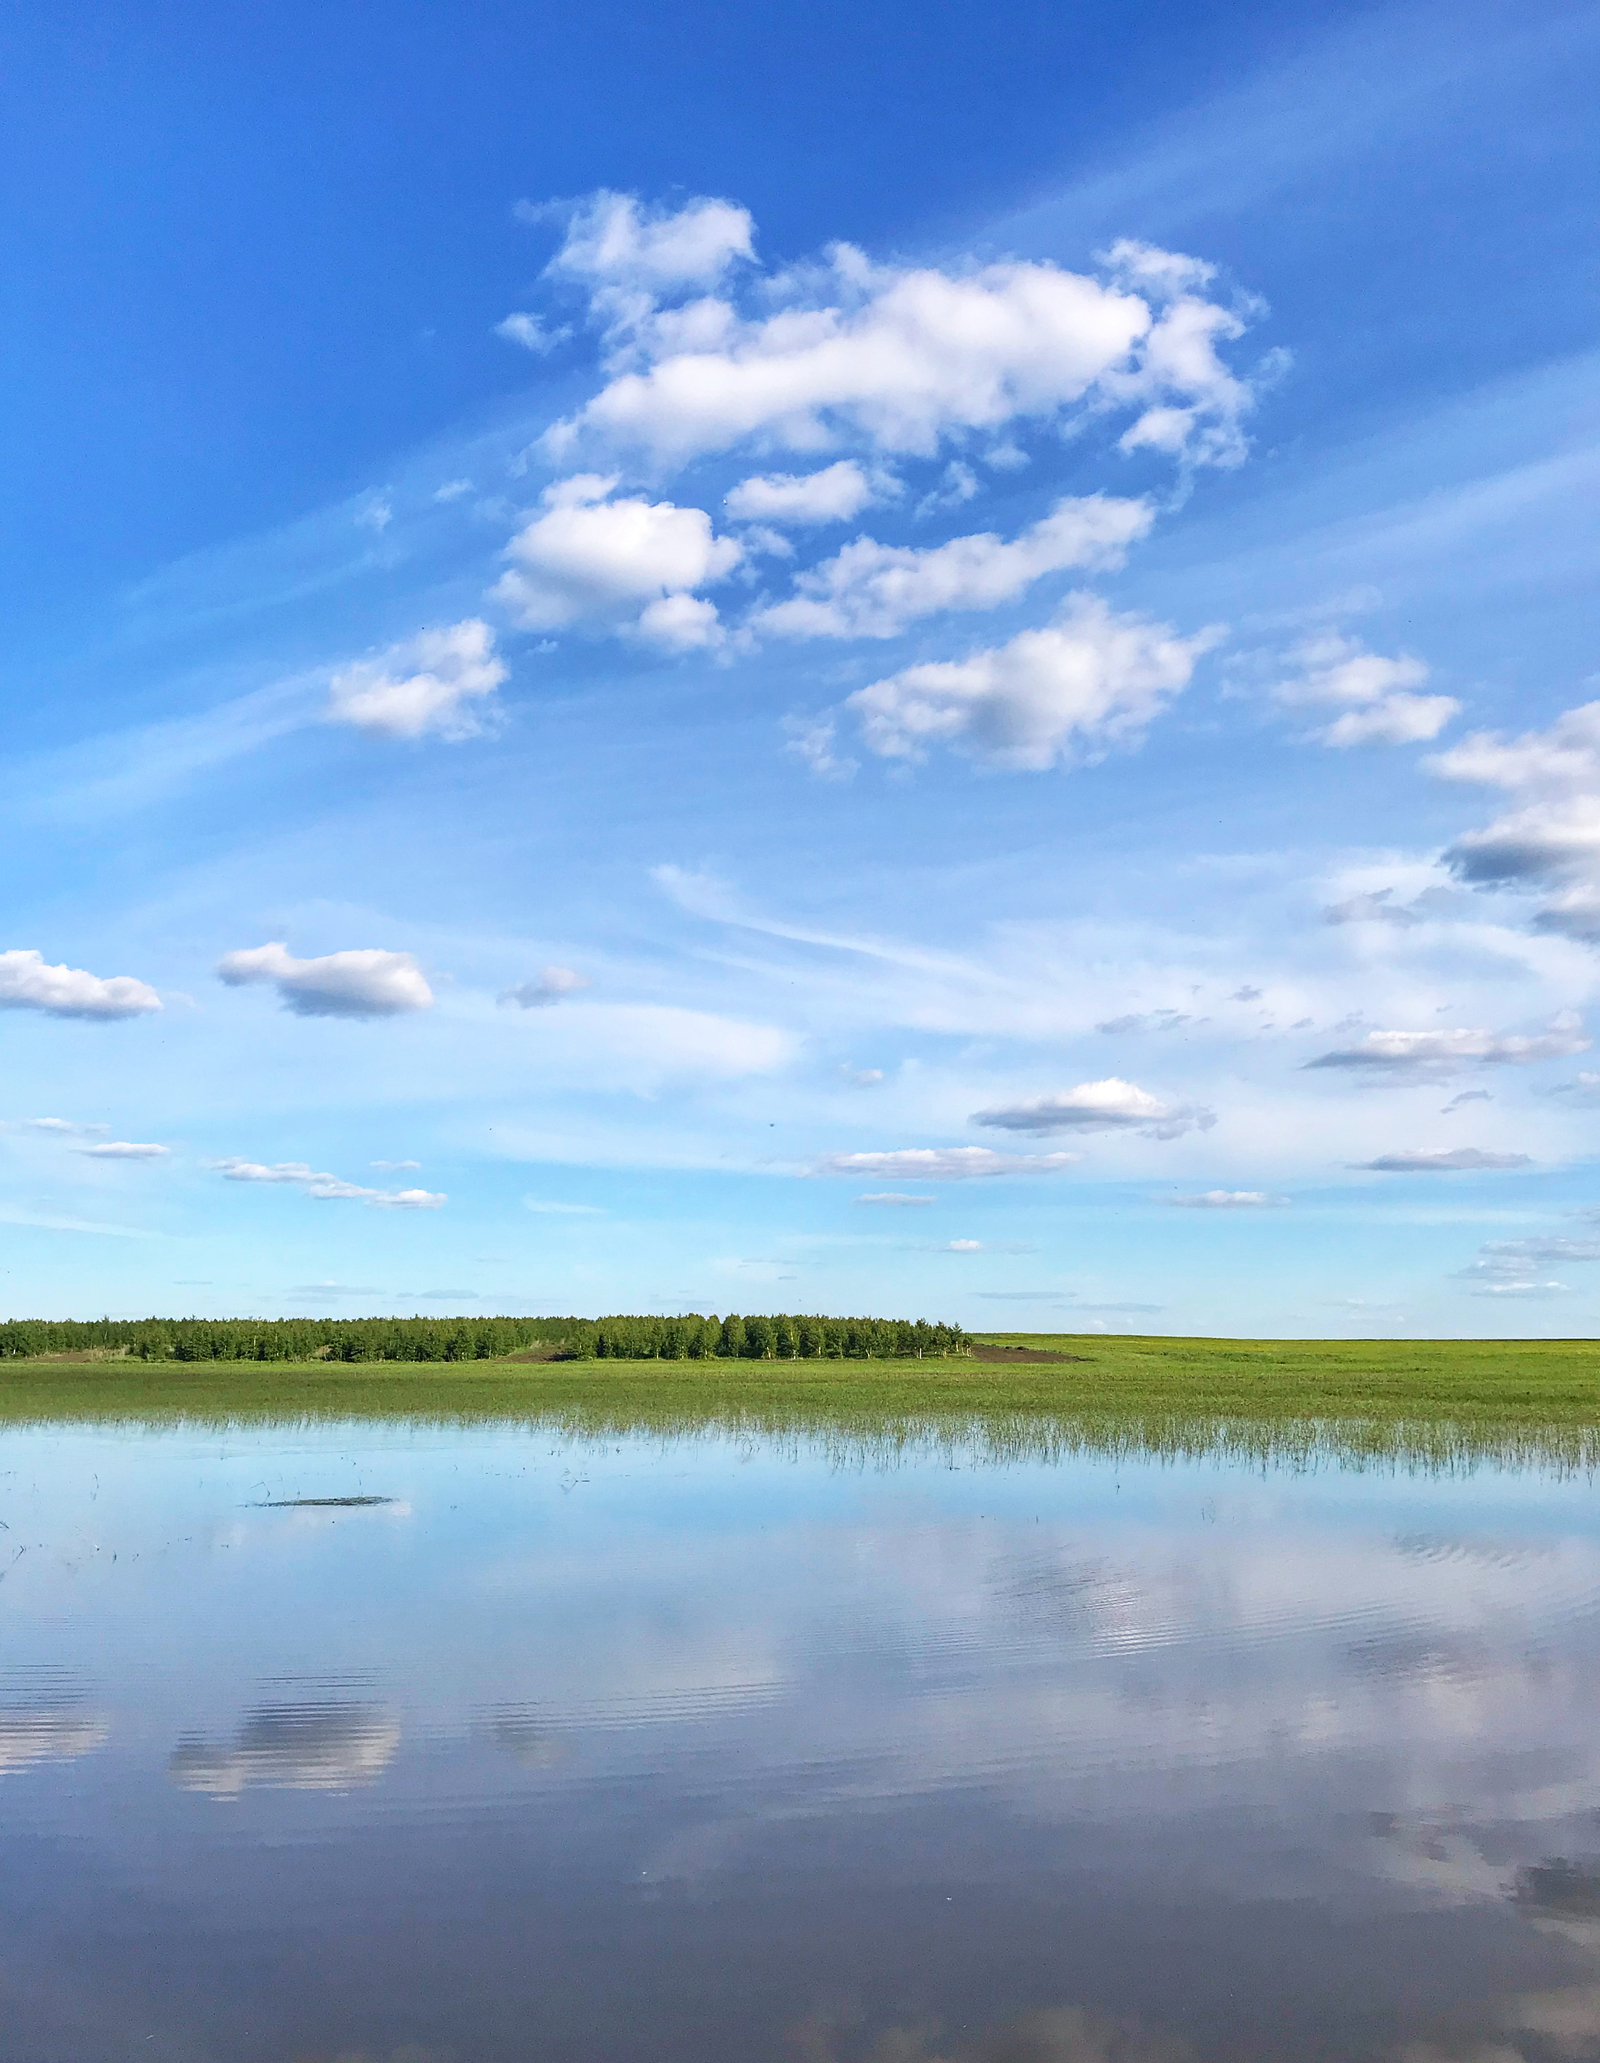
1433	1401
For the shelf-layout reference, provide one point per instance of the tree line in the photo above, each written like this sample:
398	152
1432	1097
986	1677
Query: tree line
688	1338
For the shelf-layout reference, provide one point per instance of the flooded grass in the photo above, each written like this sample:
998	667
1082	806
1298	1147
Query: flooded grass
1432	1403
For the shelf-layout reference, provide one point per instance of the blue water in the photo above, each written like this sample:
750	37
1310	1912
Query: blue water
688	1748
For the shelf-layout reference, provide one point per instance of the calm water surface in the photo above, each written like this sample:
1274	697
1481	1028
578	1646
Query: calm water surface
694	1749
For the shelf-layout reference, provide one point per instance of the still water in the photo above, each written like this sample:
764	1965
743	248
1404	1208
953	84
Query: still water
703	1748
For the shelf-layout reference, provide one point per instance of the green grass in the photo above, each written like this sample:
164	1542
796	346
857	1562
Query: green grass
1433	1403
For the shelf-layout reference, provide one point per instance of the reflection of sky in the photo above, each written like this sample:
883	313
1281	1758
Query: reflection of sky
714	1704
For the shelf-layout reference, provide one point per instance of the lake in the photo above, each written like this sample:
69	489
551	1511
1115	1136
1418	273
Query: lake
730	1749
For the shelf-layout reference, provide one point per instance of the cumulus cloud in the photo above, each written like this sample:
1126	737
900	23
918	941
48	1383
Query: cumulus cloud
894	1199
872	590
327	1747
592	557
438	682
962	1246
364	983
1583	1088
1090	681
1466	1096
551	984
1454	1160
615	242
942	1164
1104	1106
328	1188
1550	840
124	1149
832	495
1444	1052
1376	697
899	357
29	982
1229	1200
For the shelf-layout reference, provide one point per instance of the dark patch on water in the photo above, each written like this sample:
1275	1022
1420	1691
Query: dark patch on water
319	1503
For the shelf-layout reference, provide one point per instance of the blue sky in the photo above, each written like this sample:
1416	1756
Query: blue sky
930	664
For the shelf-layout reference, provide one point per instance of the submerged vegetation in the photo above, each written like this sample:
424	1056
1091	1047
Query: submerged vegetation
1433	1404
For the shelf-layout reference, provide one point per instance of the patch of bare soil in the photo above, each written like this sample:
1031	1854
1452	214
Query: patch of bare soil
987	1353
546	1350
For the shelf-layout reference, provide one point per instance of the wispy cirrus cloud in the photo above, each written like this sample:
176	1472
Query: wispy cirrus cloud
1442	1160
942	1164
324	1187
1230	1200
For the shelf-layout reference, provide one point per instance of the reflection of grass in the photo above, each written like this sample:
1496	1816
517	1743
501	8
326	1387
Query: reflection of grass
1433	1403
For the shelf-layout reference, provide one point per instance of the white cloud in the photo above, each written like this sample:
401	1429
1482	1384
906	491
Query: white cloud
364	983
1551	842
1376	696
1514	1266
452	490
397	1167
1109	1105
681	623
1229	1200
551	985
833	495
124	1149
435	682
531	333
900	357
1443	1052
591	558
875	590
29	982
962	1246
812	740
327	1188
1090	681
614	241
943	1163
1454	1160
65	1127
894	1199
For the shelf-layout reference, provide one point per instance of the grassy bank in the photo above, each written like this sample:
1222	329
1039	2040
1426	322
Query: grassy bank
1429	1402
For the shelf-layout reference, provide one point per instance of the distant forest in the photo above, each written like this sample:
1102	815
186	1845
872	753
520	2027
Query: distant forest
689	1338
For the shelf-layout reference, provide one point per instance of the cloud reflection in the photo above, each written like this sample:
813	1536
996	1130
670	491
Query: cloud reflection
1057	2034
327	1747
40	1733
